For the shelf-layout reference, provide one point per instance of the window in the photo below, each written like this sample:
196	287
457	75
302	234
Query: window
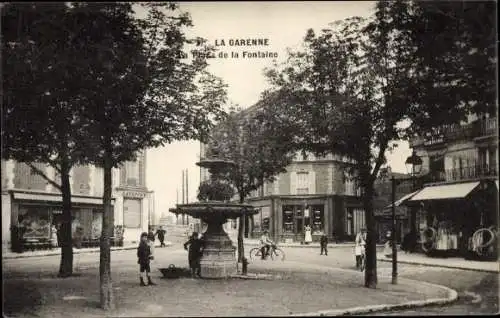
132	171
266	214
96	223
302	182
348	222
132	213
288	219
317	219
358	220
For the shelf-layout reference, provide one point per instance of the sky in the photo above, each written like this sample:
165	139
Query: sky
284	25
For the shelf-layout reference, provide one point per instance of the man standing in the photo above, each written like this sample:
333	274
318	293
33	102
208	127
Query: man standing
161	235
195	252
324	243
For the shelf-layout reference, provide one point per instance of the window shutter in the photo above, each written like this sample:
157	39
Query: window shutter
293	182
312	182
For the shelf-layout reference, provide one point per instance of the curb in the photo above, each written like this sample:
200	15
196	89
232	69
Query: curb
452	297
441	265
75	251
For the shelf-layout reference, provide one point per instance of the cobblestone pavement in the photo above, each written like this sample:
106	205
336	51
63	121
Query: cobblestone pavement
478	292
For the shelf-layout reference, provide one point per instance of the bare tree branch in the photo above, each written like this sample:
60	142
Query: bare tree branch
43	175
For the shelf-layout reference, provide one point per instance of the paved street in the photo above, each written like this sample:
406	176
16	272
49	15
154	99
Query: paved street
478	292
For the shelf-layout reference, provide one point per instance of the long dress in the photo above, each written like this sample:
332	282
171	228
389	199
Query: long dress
308	236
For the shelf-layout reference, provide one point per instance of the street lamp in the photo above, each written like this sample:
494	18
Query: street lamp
413	164
413	167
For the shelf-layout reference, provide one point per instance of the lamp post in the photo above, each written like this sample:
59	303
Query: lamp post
413	164
413	167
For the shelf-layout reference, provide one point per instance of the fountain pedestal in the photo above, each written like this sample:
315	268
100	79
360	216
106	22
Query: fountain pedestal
219	259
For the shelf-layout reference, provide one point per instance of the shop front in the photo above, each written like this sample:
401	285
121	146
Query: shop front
286	217
36	219
454	213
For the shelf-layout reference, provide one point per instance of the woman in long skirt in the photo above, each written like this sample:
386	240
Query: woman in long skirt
308	236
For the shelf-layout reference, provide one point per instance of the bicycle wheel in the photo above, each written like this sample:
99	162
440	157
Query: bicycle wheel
363	263
255	253
278	254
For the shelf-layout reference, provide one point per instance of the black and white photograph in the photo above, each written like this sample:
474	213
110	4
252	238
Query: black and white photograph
249	158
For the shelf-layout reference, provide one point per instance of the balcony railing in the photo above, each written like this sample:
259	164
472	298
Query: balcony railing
464	173
478	128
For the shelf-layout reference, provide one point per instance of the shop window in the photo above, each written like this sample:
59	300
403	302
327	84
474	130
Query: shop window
132	213
287	219
317	219
266	216
261	220
35	221
96	229
358	220
348	222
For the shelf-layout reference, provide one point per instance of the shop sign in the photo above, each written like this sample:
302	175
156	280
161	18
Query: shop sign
132	194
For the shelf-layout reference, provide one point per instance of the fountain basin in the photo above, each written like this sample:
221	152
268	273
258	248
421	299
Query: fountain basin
219	257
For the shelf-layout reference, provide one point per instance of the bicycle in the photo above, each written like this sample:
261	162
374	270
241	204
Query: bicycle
274	252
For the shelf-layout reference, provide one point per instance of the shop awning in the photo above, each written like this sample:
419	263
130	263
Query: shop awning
446	191
57	198
403	199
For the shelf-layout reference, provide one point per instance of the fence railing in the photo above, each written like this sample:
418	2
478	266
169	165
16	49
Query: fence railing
465	173
478	128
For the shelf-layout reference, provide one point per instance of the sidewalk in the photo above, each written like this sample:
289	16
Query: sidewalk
310	290
57	251
450	262
256	242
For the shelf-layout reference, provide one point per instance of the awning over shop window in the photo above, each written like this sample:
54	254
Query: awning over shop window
446	191
403	199
57	198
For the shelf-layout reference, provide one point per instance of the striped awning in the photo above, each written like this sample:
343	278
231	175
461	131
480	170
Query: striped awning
446	191
403	199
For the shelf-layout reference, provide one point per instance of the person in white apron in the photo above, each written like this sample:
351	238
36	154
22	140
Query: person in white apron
359	246
307	236
388	244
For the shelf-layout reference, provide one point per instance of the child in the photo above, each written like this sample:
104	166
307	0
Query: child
194	254
324	243
144	257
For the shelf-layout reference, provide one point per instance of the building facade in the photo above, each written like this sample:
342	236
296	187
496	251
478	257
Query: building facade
313	191
28	200
460	187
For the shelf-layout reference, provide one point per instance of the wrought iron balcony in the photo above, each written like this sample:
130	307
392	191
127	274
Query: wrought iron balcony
479	128
472	172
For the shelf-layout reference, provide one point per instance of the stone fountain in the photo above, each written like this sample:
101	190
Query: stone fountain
219	257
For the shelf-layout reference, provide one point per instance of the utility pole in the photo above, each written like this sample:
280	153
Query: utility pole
394	249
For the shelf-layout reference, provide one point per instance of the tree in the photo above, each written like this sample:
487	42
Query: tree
249	139
347	93
453	47
43	70
140	93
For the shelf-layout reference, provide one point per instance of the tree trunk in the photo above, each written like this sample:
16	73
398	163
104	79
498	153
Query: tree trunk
106	288
371	279
66	264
